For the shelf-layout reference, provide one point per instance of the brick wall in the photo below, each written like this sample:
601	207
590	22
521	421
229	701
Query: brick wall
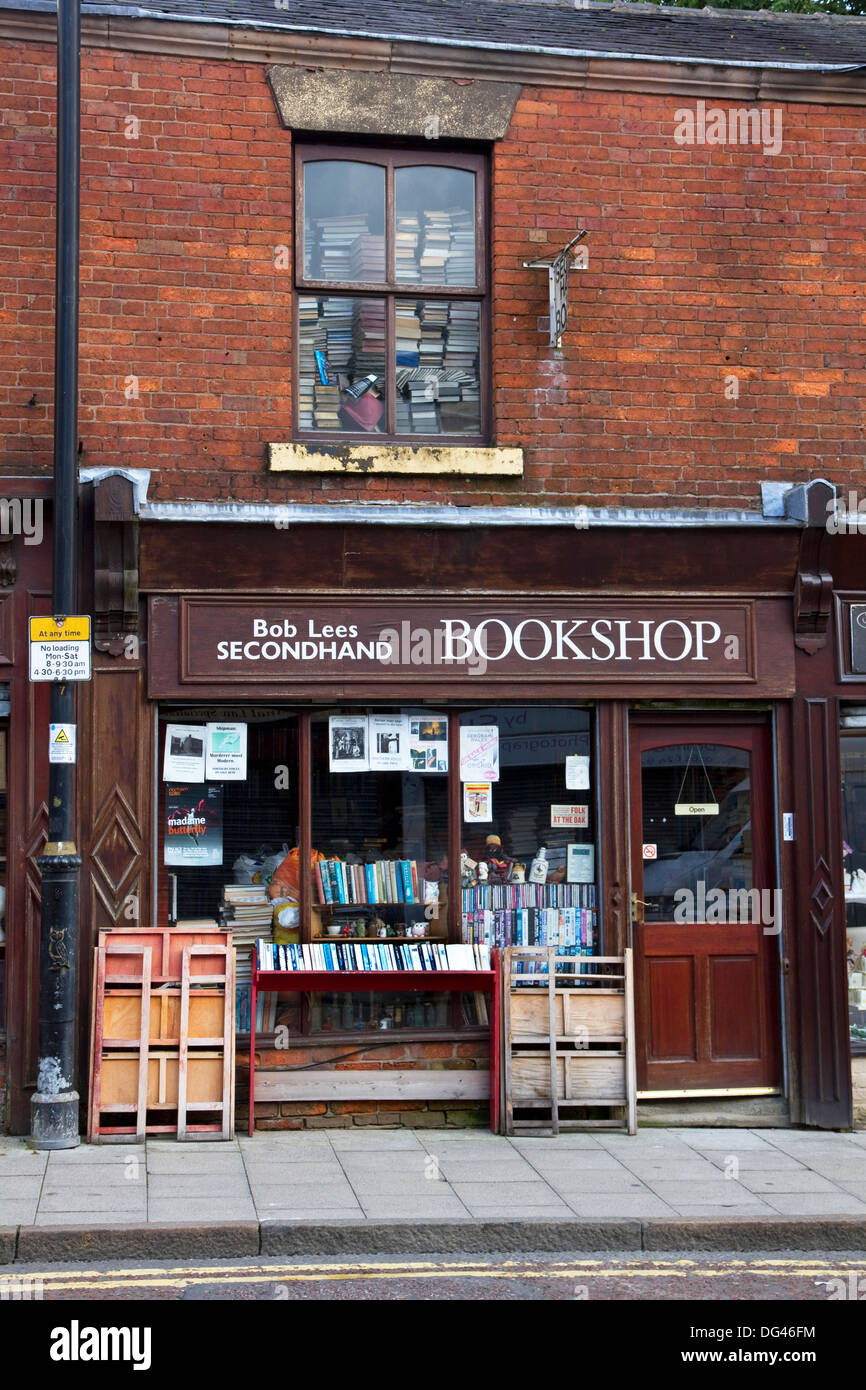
452	1055
706	263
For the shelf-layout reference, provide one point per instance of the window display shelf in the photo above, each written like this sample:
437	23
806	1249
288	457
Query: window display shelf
333	1084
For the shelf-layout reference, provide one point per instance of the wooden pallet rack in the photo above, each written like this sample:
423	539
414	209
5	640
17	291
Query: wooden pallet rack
568	1044
162	1036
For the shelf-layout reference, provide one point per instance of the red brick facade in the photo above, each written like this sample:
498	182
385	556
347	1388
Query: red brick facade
706	263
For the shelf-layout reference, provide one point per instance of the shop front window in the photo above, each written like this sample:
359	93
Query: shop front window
422	825
854	861
527	829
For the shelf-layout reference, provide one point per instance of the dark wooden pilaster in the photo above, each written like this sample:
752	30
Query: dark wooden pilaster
821	1016
614	828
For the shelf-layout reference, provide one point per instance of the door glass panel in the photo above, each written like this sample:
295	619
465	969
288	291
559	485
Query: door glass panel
697	834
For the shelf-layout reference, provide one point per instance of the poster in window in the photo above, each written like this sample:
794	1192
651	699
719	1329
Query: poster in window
479	753
193	824
183	760
477	801
348	736
226	752
428	742
389	742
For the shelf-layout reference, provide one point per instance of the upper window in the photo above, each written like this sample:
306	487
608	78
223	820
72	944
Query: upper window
390	287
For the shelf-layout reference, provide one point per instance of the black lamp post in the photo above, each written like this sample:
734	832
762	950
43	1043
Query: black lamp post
54	1107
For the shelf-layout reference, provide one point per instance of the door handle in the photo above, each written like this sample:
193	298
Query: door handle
635	903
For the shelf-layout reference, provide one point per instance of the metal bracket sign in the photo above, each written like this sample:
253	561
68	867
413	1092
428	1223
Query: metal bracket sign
60	649
557	279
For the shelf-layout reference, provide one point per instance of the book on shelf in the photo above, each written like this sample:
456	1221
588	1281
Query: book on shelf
380	881
532	914
372	956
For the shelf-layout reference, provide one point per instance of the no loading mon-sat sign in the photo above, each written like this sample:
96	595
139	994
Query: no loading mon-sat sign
60	649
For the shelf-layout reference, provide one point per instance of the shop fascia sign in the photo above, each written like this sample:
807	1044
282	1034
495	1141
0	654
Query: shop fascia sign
268	640
559	267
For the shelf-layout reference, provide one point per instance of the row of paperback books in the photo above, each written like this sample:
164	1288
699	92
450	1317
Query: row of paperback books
533	926
372	956
383	881
266	1010
497	896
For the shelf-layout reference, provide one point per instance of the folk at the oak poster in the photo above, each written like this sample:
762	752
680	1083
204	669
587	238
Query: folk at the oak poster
193	824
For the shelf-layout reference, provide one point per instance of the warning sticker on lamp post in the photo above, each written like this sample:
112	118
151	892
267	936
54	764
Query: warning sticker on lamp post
60	649
61	743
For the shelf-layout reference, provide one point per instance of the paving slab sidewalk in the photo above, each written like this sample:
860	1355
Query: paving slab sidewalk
396	1190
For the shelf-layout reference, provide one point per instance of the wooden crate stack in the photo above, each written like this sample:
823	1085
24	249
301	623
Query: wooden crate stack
162	1037
568	1040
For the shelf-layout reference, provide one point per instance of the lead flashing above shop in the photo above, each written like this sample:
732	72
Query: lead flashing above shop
580	518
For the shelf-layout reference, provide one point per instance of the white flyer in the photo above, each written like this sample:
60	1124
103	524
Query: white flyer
479	753
577	772
183	760
226	753
349	743
389	742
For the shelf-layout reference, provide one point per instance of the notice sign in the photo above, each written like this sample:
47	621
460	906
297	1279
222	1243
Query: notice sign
696	808
577	773
61	743
569	817
60	649
226	752
193	824
479	753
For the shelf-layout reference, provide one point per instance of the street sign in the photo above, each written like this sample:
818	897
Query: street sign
60	649
61	743
557	280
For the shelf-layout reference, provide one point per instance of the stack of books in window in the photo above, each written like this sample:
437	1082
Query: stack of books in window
247	910
532	914
460	266
333	239
406	245
326	410
434	330
407	329
367	259
337	315
435	246
423	406
372	956
311	338
384	881
461	345
368	336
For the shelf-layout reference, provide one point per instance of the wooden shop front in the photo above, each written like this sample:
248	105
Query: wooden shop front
644	730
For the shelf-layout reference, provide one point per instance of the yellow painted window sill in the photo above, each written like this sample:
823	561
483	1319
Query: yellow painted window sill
466	460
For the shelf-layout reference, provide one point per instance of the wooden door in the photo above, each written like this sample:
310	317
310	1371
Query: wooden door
706	915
